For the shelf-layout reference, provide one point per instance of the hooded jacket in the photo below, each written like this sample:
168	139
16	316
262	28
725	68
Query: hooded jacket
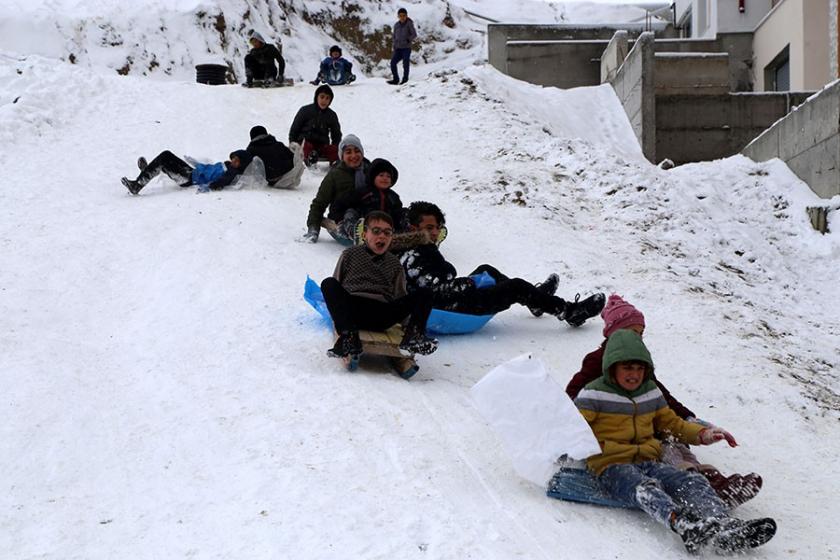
277	158
319	126
371	198
624	422
265	55
590	370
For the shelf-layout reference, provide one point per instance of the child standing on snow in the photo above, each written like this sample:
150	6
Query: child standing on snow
625	409
734	490
404	35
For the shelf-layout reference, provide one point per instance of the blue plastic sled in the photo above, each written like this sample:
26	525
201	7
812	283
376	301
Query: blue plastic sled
578	485
440	322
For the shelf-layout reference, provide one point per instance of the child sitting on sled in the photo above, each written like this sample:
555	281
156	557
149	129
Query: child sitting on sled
735	489
486	290
367	291
377	194
625	409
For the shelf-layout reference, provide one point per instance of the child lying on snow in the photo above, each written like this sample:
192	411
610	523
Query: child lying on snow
215	175
734	490
367	291
625	409
425	267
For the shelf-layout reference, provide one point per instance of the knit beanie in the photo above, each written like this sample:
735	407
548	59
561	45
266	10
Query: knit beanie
258	131
350	140
618	314
257	36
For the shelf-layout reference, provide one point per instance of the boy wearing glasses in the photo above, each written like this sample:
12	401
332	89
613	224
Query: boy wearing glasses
368	291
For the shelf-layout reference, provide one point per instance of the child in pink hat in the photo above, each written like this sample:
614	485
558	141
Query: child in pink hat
619	314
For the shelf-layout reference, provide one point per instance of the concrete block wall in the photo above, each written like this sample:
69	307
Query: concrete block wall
808	140
707	127
562	64
499	34
692	73
634	86
737	45
614	55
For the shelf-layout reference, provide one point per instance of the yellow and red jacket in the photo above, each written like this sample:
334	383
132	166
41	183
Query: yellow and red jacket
624	422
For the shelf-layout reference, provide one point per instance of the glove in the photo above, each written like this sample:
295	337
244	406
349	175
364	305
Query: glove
311	235
483	280
709	436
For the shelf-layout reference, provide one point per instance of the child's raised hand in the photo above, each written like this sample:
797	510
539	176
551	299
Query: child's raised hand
709	436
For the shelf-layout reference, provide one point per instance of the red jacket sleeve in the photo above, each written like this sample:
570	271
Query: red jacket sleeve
590	370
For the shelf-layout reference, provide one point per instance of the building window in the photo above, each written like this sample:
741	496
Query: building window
777	73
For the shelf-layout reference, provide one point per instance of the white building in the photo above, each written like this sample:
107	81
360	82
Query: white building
791	47
704	19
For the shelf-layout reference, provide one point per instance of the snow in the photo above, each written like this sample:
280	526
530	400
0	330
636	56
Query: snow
166	388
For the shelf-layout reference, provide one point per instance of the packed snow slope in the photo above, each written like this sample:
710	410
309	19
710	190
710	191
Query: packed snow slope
165	39
166	392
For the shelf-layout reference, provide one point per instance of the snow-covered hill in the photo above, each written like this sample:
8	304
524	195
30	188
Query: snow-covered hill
165	388
166	39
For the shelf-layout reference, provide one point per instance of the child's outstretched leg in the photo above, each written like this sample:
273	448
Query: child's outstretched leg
632	484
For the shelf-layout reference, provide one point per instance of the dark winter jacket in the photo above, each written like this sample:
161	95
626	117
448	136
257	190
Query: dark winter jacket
319	126
265	57
591	369
371	198
626	423
335	71
277	158
364	273
404	34
340	181
425	267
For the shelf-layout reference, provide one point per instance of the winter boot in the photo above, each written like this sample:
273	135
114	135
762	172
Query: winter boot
549	286
313	158
142	163
577	312
394	82
404	80
694	531
347	344
736	535
133	186
417	342
733	490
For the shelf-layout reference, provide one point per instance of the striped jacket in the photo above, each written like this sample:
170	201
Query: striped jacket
624	422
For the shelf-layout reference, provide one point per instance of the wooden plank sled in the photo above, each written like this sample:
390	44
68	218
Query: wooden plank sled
386	344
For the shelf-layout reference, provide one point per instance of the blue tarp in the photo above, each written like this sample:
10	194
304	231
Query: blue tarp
440	322
578	485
